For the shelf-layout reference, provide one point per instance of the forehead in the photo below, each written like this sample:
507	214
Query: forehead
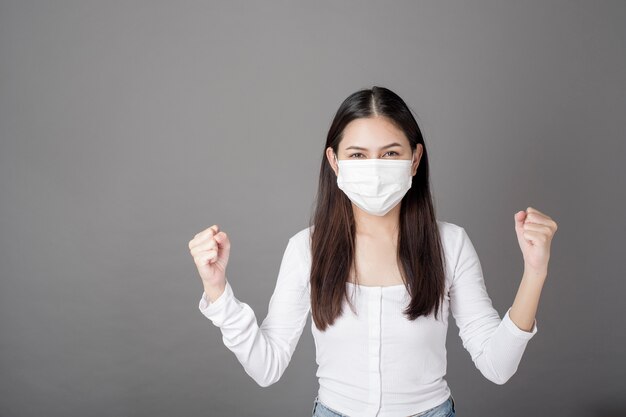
372	132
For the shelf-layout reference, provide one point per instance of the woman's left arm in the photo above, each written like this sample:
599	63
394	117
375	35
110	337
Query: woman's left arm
535	231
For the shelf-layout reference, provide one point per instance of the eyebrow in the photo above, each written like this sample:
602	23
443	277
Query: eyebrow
364	149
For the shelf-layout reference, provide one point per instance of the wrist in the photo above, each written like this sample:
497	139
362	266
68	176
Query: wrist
213	292
536	273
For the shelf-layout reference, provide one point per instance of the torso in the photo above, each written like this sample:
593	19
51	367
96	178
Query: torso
377	262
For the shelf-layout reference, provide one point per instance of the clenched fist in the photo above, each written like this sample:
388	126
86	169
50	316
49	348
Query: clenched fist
535	231
210	249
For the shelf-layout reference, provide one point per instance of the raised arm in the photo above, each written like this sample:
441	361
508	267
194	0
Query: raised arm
265	351
495	345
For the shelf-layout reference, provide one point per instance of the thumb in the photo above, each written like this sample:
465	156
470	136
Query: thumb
519	217
224	244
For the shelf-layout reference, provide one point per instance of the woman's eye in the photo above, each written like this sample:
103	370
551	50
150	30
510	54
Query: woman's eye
390	152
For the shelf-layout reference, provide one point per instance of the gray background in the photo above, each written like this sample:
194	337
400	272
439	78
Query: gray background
128	127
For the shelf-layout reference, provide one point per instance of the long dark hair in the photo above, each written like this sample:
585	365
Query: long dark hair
420	255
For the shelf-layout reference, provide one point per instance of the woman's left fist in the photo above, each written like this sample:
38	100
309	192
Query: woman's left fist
534	235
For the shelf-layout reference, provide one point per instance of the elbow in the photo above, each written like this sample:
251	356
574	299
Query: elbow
496	375
266	382
266	379
499	380
495	370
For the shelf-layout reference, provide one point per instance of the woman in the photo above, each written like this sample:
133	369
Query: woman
379	275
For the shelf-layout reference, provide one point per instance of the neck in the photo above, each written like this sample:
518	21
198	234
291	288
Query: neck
377	226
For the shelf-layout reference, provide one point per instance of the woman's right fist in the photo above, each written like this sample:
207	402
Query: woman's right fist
210	249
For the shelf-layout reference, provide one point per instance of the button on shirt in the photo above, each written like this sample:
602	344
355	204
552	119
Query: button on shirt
374	361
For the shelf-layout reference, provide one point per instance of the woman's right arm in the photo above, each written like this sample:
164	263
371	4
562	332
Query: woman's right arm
265	351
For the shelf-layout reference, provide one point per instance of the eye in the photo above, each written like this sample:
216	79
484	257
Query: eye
394	153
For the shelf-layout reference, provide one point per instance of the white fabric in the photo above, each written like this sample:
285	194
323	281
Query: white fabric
375	185
375	363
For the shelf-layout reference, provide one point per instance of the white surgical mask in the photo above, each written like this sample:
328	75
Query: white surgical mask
375	185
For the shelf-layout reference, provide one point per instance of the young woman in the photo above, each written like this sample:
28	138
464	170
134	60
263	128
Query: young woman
379	275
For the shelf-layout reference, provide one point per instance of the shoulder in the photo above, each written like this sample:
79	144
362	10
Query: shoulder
451	233
455	242
302	233
302	240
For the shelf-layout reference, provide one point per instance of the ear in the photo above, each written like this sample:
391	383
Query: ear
331	157
417	157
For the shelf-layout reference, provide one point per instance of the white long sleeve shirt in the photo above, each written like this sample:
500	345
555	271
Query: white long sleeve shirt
377	362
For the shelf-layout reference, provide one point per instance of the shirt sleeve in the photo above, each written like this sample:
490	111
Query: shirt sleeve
495	345
266	350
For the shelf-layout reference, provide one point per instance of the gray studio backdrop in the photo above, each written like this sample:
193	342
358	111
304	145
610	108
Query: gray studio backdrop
128	127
